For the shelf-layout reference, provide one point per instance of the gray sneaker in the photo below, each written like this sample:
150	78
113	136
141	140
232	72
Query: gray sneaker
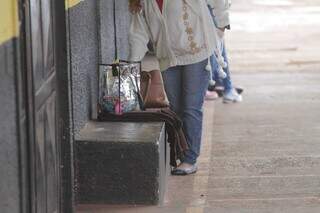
193	169
232	97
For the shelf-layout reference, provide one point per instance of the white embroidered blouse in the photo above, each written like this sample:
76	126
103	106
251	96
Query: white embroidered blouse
182	34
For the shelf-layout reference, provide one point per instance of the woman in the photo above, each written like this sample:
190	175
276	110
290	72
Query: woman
220	15
181	33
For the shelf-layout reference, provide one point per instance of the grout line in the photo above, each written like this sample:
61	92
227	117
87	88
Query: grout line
256	176
266	199
267	157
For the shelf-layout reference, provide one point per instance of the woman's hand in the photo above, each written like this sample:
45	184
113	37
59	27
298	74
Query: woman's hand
135	6
220	32
222	28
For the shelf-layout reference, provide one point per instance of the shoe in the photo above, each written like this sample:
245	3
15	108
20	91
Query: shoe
220	90
211	87
232	97
211	95
239	90
186	171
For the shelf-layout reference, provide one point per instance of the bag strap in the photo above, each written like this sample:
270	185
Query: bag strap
115	32
148	86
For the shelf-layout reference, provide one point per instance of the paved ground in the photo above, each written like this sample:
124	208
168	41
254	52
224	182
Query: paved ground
260	156
274	35
263	155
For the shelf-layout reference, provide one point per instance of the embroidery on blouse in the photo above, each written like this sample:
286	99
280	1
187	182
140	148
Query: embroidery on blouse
194	47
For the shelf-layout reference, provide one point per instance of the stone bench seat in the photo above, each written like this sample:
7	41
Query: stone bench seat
121	163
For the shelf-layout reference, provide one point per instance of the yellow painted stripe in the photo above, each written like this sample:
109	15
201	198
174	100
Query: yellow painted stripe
9	26
9	21
71	3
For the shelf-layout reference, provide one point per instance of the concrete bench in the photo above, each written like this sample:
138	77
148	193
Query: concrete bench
121	163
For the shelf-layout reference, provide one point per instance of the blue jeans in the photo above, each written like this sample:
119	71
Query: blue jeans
226	82
185	87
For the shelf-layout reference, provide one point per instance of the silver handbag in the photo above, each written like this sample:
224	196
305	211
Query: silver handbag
119	87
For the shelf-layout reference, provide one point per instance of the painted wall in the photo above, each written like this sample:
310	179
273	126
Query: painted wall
8	20
84	52
92	42
107	30
9	166
71	3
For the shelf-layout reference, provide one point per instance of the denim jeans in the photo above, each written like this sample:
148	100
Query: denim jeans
226	82
185	87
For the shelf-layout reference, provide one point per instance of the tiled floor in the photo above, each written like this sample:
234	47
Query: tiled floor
259	156
263	155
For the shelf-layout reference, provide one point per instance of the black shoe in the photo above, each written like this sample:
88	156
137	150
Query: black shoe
220	90
211	88
239	90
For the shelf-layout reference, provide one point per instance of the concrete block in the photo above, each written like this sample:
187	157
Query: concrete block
121	163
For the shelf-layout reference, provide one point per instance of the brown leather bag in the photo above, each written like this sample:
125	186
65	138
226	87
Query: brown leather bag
152	90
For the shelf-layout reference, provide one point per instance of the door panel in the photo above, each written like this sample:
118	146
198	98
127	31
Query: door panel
36	43
51	157
39	156
45	147
47	37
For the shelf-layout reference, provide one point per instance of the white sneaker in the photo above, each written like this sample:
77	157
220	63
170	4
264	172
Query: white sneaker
184	169
232	97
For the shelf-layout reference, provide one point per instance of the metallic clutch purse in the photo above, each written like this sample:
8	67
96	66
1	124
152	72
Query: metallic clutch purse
119	87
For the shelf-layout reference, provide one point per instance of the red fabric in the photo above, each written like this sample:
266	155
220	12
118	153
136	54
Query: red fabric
160	4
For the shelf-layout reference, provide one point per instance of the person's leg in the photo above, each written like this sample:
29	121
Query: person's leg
210	93
194	85
186	87
214	68
172	79
230	95
226	82
172	85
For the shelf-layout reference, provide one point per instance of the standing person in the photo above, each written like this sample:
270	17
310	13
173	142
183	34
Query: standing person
220	13
183	39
